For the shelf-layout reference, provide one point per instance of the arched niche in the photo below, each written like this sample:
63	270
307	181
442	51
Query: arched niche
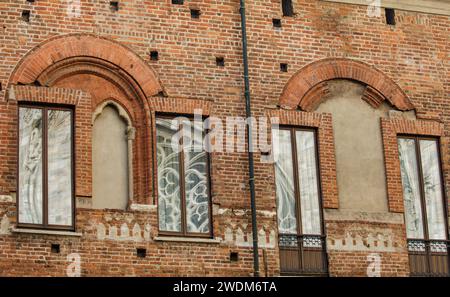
112	156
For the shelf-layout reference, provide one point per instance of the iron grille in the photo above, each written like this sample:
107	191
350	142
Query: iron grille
428	257
303	254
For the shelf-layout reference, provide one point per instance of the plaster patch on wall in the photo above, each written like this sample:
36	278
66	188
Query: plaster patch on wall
362	216
6	198
242	212
101	231
147	232
240	236
124	232
364	241
4	226
84	202
142	207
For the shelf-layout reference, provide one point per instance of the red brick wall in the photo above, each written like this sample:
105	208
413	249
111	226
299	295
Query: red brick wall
352	257
327	158
412	55
83	128
391	128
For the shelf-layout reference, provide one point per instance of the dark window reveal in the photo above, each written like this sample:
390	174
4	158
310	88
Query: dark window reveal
390	16
288	9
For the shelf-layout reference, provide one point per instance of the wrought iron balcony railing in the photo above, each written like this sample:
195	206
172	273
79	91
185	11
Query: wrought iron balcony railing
303	254
429	257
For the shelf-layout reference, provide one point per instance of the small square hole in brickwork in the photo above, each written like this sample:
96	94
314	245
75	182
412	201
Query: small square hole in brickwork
283	67
276	23
141	253
55	248
234	256
195	13
390	16
31	1
26	15
220	61
1	87
114	5
154	55
180	2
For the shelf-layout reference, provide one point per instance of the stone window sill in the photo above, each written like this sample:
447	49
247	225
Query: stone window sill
187	239
46	232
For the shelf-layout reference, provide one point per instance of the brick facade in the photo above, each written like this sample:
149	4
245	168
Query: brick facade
391	129
84	58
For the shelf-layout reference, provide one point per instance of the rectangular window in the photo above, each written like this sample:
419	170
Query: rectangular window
183	178
299	211
297	181
45	165
425	214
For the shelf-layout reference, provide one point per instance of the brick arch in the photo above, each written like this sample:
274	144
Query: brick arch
59	48
63	61
307	87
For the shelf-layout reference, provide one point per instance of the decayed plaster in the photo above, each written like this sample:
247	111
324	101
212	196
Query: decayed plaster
358	147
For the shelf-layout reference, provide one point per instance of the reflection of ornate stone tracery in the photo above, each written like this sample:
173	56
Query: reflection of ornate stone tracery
194	177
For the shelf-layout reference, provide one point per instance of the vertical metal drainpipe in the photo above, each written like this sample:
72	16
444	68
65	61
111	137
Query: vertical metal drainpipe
251	169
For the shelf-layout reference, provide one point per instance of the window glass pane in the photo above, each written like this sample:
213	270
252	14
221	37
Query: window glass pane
284	179
59	167
309	192
169	201
411	188
433	189
30	166
196	180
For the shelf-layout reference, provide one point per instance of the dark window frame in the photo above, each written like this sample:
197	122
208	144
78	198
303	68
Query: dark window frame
417	139
287	8
45	107
183	232
321	270
292	130
428	253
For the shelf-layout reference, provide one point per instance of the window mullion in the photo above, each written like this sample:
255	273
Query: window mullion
45	166
182	182
296	181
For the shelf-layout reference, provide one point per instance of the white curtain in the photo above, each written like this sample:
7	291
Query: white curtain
308	179
411	188
284	180
433	189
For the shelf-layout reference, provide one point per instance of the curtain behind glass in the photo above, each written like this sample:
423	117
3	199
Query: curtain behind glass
411	188
284	180
433	189
308	179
